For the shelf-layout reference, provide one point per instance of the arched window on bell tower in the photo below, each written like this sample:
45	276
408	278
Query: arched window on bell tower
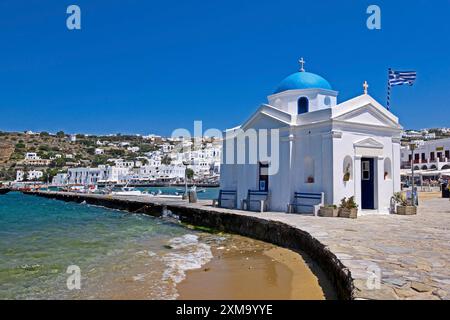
302	105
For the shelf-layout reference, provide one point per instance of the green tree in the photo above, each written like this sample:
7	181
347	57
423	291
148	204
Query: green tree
58	163
60	134
100	159
189	173
44	147
166	160
117	152
49	174
44	134
20	145
143	148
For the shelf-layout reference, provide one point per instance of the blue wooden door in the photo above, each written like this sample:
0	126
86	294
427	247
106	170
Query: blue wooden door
263	177
367	184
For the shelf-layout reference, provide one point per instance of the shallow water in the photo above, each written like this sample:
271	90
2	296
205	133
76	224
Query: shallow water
120	255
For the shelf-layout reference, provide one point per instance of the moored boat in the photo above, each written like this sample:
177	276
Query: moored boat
4	190
127	191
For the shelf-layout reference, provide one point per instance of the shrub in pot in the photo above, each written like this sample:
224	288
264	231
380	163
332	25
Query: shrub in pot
329	210
348	208
403	207
347	174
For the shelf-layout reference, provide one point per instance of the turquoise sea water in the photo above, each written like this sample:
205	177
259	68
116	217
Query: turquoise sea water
120	255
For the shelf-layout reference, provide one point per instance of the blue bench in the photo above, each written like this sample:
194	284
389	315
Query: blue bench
261	198
227	199
306	201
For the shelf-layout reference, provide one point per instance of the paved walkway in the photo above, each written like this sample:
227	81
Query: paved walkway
409	254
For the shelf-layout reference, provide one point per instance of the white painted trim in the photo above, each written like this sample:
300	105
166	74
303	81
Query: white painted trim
295	92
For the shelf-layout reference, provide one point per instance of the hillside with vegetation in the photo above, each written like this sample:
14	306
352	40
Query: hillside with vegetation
64	151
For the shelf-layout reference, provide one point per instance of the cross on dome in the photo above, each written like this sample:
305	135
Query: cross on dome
302	64
365	86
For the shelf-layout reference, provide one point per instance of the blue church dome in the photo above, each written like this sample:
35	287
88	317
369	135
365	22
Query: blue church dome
303	80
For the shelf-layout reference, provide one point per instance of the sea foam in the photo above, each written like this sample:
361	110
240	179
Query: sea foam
188	254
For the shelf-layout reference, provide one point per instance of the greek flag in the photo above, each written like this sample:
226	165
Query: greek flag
398	78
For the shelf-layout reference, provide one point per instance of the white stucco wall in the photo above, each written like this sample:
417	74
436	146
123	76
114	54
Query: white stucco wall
384	188
327	136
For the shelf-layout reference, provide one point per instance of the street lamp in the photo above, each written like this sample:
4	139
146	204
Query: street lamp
185	163
412	147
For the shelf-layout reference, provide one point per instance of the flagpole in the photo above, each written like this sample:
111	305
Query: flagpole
388	104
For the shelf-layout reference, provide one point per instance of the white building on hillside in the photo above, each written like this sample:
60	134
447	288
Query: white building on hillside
31	175
60	179
171	172
133	149
342	149
31	156
32	159
167	147
90	176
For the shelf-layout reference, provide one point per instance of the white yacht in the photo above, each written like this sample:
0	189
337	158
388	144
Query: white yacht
127	191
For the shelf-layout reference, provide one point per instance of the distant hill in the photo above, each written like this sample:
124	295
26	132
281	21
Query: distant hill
63	152
6	150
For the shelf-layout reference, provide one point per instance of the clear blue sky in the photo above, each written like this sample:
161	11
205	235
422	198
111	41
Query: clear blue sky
153	66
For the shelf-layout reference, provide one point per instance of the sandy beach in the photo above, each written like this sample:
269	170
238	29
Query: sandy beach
251	269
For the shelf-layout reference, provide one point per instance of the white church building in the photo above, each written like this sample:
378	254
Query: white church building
315	144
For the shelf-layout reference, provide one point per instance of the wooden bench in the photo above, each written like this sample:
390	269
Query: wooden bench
226	197
312	201
255	196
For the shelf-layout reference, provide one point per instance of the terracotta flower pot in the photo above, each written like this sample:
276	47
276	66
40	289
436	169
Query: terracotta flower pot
406	210
348	213
328	212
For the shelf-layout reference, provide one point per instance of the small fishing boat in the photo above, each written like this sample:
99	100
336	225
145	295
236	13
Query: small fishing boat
4	190
159	194
128	191
170	196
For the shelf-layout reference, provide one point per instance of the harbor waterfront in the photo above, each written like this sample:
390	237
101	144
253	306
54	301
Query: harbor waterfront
136	256
410	254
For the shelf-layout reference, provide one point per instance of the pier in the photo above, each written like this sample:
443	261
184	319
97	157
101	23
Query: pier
372	257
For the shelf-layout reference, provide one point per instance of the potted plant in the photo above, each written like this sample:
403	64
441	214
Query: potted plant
348	208
329	210
347	173
403	206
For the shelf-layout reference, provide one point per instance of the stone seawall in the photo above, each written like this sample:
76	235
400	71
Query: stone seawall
229	221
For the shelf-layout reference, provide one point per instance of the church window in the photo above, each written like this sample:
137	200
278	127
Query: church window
263	176
387	169
302	105
309	169
348	168
327	101
365	170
